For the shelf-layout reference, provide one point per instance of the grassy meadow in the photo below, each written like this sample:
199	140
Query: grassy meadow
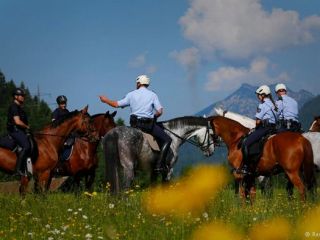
203	213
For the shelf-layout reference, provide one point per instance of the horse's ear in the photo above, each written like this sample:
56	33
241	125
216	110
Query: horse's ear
107	113
114	113
85	110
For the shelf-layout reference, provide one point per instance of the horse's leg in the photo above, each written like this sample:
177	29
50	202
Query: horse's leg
89	179
128	176
23	185
43	180
236	187
266	186
297	182
289	188
48	183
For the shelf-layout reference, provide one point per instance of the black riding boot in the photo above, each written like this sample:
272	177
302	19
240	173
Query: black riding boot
245	169
161	164
21	163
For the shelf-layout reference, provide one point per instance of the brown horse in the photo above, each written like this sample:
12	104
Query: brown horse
289	150
49	141
315	126
83	160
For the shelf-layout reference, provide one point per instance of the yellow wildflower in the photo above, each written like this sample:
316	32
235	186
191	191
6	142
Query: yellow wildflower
274	229
190	194
309	225
216	231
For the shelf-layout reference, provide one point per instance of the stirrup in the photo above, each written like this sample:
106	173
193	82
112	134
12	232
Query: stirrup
243	170
20	173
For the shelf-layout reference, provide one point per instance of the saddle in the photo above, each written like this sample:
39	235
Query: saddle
152	142
255	150
8	142
67	148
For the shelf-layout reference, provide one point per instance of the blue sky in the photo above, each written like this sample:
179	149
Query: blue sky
196	52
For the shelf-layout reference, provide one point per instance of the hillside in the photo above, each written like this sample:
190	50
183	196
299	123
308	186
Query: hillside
310	110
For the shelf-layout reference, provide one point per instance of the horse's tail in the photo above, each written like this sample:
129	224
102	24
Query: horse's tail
308	166
111	156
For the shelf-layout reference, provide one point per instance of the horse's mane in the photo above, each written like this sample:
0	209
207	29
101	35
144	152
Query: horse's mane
316	117
61	120
186	120
97	115
229	121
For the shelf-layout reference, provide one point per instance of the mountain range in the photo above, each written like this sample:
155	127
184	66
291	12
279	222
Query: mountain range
245	102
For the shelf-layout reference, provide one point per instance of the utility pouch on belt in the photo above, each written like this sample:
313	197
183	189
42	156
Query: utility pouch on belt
145	124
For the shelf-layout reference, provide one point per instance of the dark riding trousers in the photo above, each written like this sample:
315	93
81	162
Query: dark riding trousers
21	139
258	133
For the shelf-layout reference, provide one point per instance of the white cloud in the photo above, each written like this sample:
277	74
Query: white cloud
138	61
230	78
241	29
190	59
151	69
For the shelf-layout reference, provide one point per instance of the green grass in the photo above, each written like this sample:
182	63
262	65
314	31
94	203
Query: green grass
67	216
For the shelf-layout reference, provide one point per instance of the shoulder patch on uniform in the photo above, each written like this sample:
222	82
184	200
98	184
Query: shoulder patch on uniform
258	109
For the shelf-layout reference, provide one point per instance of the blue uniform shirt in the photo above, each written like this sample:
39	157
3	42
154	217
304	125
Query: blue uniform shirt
142	102
266	111
288	108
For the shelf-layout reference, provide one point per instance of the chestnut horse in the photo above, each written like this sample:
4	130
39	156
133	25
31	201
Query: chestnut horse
49	141
315	126
289	150
83	160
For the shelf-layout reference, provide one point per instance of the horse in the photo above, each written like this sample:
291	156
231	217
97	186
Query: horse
315	125
289	150
49	141
313	136
83	160
126	149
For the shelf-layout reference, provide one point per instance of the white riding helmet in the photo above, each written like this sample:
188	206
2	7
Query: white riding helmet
143	79
264	89
280	86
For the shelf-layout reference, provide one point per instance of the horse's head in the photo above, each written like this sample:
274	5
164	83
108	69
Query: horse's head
109	122
83	124
203	137
315	126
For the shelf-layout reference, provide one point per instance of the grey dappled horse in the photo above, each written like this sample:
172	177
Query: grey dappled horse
126	149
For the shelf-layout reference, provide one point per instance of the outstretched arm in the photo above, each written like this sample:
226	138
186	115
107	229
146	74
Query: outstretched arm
106	100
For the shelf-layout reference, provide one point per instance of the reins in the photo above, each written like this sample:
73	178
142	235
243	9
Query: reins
194	143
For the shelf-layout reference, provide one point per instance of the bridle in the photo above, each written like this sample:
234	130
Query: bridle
204	145
86	136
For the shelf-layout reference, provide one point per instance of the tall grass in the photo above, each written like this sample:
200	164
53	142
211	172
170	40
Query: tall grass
101	216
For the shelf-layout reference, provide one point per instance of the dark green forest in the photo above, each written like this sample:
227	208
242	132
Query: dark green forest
39	113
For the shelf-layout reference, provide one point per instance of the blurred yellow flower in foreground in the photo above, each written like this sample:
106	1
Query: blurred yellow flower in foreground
216	231
309	224
274	229
190	194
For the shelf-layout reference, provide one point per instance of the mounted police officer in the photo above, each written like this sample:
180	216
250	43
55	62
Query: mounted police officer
266	117
17	126
145	109
288	110
61	110
57	114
